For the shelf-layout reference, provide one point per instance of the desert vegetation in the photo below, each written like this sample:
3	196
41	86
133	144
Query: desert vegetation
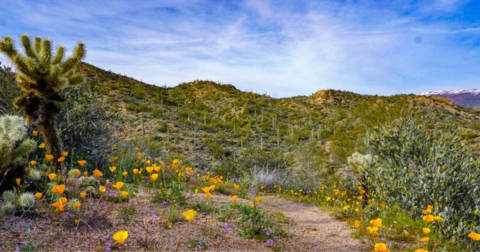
88	153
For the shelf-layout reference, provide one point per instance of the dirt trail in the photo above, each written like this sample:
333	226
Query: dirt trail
313	229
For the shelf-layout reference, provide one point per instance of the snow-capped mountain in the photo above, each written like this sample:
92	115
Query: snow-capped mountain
469	98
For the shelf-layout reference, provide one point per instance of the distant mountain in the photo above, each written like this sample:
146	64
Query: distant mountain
469	98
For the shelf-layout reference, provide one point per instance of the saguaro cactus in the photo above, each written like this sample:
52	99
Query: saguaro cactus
42	76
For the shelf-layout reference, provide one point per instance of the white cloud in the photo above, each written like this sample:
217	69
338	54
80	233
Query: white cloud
290	48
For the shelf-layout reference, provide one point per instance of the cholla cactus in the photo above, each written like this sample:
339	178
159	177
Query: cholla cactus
15	201
361	163
8	208
26	200
13	146
12	131
9	196
33	174
42	76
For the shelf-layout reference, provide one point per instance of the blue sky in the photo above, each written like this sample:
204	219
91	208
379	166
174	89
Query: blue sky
279	47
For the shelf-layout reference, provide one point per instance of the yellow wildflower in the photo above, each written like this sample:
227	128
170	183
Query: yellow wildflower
52	176
357	224
97	173
235	186
48	157
118	185
58	189
421	250
377	222
120	236
474	236
102	189
428	218
82	163
425	239
190	214
373	230
381	247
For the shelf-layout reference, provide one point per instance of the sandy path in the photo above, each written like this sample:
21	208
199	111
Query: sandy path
313	229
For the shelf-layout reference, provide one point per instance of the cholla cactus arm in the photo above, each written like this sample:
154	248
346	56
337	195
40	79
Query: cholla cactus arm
28	47
46	53
12	127
38	44
59	56
78	55
12	130
7	47
4	154
27	146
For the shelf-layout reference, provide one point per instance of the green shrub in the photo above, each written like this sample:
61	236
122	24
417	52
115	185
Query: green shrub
172	193
156	112
225	212
253	223
418	166
204	207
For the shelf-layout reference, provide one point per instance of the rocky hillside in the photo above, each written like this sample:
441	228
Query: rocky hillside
218	126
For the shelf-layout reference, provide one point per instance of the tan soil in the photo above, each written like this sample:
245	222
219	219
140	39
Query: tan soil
313	229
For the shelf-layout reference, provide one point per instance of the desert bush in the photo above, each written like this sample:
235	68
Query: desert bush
8	90
84	123
253	223
418	167
254	158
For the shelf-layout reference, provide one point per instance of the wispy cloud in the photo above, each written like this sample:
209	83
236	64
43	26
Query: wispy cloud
282	48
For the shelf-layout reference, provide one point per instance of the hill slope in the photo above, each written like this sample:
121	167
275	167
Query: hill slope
217	126
208	122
